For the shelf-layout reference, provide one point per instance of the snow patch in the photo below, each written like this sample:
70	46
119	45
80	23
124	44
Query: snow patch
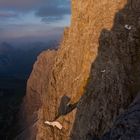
128	27
54	124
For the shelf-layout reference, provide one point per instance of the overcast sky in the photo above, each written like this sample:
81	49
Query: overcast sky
33	19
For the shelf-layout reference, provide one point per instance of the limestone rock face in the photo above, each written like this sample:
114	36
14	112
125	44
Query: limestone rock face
38	81
98	54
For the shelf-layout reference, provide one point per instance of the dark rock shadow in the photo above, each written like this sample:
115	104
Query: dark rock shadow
114	79
65	107
127	125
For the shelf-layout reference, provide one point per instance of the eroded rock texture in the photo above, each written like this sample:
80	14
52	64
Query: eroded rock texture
127	125
115	76
30	114
98	53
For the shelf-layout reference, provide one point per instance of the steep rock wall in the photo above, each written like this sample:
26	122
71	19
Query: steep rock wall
70	72
29	115
114	79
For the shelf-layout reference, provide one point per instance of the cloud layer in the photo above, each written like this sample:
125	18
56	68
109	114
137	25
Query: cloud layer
55	10
32	16
8	15
48	10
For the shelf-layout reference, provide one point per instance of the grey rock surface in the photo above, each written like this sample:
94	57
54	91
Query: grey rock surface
127	125
109	93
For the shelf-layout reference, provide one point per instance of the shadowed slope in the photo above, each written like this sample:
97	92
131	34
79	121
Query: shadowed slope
114	79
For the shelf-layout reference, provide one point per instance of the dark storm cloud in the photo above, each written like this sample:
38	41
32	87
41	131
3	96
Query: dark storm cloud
48	10
55	10
51	19
23	5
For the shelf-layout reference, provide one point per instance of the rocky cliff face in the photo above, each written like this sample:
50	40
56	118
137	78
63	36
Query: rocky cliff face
99	53
114	79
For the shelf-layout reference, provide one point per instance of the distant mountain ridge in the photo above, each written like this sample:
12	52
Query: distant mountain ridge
18	61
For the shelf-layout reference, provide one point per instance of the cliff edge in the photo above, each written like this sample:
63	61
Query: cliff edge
95	70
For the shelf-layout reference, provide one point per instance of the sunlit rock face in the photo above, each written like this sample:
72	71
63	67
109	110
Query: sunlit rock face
97	60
